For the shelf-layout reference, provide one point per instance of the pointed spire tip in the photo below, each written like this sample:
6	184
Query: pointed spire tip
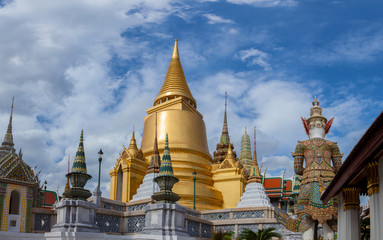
175	50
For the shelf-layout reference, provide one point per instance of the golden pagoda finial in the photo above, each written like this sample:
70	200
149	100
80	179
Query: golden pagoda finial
175	84
133	137
230	155
175	50
133	145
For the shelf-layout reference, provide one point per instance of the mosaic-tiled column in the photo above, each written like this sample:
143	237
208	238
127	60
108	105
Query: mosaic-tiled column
3	187
29	209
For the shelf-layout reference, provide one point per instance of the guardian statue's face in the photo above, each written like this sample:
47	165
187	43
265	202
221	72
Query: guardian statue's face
317	129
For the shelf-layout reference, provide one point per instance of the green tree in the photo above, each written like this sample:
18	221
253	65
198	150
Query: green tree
222	235
262	234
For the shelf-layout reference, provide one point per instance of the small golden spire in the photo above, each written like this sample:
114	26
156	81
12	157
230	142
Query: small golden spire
133	145
230	155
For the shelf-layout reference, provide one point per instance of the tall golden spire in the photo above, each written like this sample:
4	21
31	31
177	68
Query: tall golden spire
225	130
255	175
7	145
175	84
133	145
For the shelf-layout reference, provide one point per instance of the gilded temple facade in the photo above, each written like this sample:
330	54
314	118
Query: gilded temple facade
128	173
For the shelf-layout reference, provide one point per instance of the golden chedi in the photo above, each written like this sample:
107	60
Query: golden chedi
177	115
128	173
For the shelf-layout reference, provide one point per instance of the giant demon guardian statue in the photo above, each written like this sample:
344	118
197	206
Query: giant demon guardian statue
316	175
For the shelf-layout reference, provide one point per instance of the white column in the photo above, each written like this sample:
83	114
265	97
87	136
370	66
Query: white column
341	219
373	183
351	210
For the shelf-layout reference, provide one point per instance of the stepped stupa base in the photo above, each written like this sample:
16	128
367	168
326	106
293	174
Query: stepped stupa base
254	196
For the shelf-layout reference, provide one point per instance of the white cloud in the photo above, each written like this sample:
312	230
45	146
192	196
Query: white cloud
214	19
362	45
266	3
56	63
254	57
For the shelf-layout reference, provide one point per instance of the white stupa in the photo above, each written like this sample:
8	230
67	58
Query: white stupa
148	186
255	194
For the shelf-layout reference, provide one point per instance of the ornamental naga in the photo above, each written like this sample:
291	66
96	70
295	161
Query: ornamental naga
316	175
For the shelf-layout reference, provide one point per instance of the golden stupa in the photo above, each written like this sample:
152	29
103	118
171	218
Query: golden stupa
178	116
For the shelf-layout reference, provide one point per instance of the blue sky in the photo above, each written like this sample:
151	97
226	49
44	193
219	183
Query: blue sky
98	65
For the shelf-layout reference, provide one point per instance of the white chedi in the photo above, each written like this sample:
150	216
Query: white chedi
254	196
147	187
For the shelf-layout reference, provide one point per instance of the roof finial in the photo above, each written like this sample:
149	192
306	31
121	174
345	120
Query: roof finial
229	154
175	50
133	149
133	133
7	144
316	103
225	119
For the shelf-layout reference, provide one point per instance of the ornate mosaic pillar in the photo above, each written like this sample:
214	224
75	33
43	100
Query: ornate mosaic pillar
351	211
3	187
29	209
372	170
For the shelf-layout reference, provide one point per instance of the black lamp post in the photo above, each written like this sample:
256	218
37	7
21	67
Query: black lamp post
100	153
194	179
45	191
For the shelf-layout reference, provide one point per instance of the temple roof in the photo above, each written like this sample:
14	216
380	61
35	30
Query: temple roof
175	84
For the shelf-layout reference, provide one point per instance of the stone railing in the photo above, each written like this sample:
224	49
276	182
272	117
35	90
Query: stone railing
237	219
112	204
117	217
197	226
42	220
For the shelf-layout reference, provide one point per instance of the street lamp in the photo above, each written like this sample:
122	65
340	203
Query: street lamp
284	189
45	191
194	178
100	153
